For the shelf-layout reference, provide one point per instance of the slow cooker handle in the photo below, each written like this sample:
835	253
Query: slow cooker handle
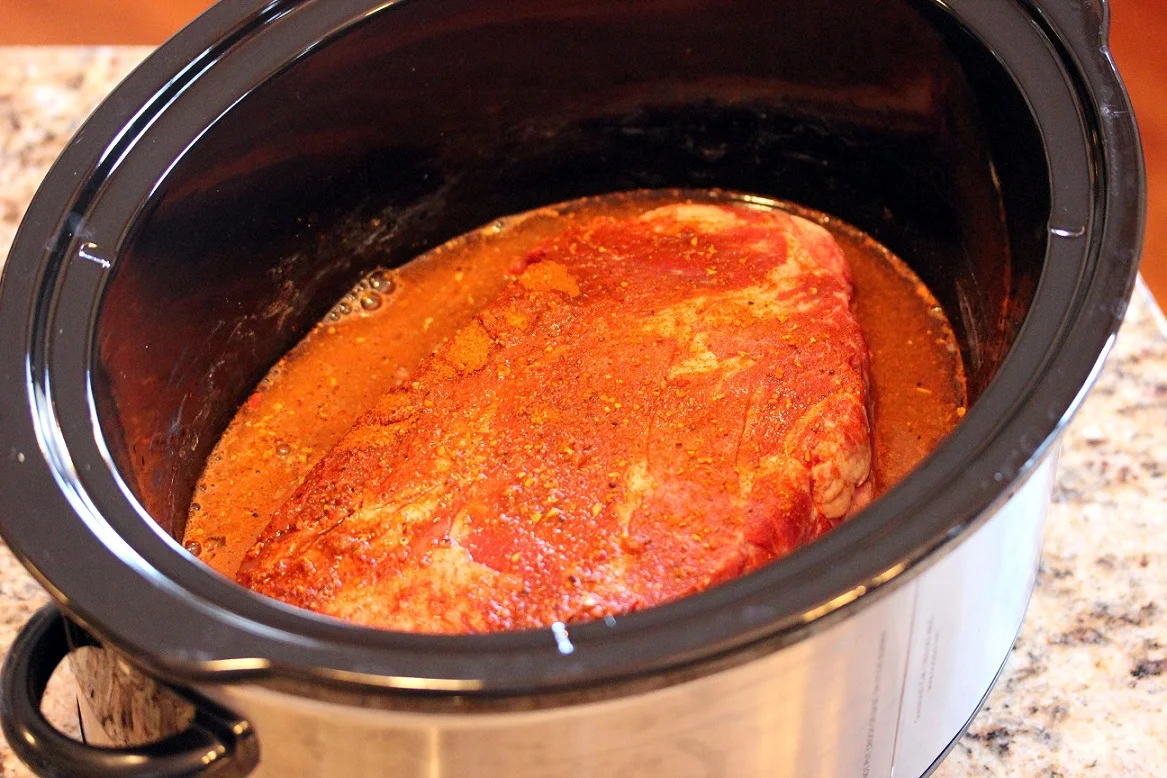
217	743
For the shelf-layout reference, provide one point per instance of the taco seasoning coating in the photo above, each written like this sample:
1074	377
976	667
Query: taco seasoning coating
657	402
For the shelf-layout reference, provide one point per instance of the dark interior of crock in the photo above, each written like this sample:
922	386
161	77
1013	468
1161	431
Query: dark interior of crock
429	119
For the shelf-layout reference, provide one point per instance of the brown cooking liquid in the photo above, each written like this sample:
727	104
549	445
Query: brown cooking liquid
379	333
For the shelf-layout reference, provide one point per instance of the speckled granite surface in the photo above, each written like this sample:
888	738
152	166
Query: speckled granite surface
1085	691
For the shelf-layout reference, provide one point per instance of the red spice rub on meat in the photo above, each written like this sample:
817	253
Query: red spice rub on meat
655	405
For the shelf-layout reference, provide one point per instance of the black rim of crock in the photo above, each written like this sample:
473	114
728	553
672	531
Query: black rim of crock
70	521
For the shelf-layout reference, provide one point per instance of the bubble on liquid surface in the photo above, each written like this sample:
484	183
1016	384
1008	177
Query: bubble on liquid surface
368	295
370	301
193	547
381	281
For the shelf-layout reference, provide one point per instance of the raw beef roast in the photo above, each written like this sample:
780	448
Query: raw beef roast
655	405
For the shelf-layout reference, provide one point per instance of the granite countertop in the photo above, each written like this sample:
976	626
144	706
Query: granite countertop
1085	690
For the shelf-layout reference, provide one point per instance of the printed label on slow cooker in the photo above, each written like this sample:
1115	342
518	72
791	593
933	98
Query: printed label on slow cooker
873	719
968	608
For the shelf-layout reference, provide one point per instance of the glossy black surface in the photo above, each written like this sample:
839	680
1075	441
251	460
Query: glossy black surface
435	119
220	200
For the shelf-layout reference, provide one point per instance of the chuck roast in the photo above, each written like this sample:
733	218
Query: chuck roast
656	404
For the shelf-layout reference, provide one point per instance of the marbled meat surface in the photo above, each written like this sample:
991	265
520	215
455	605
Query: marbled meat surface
655	405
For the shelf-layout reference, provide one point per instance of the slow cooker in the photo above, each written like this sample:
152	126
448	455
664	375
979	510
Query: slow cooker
256	165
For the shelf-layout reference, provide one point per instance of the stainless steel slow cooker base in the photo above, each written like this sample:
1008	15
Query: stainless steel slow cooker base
879	694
